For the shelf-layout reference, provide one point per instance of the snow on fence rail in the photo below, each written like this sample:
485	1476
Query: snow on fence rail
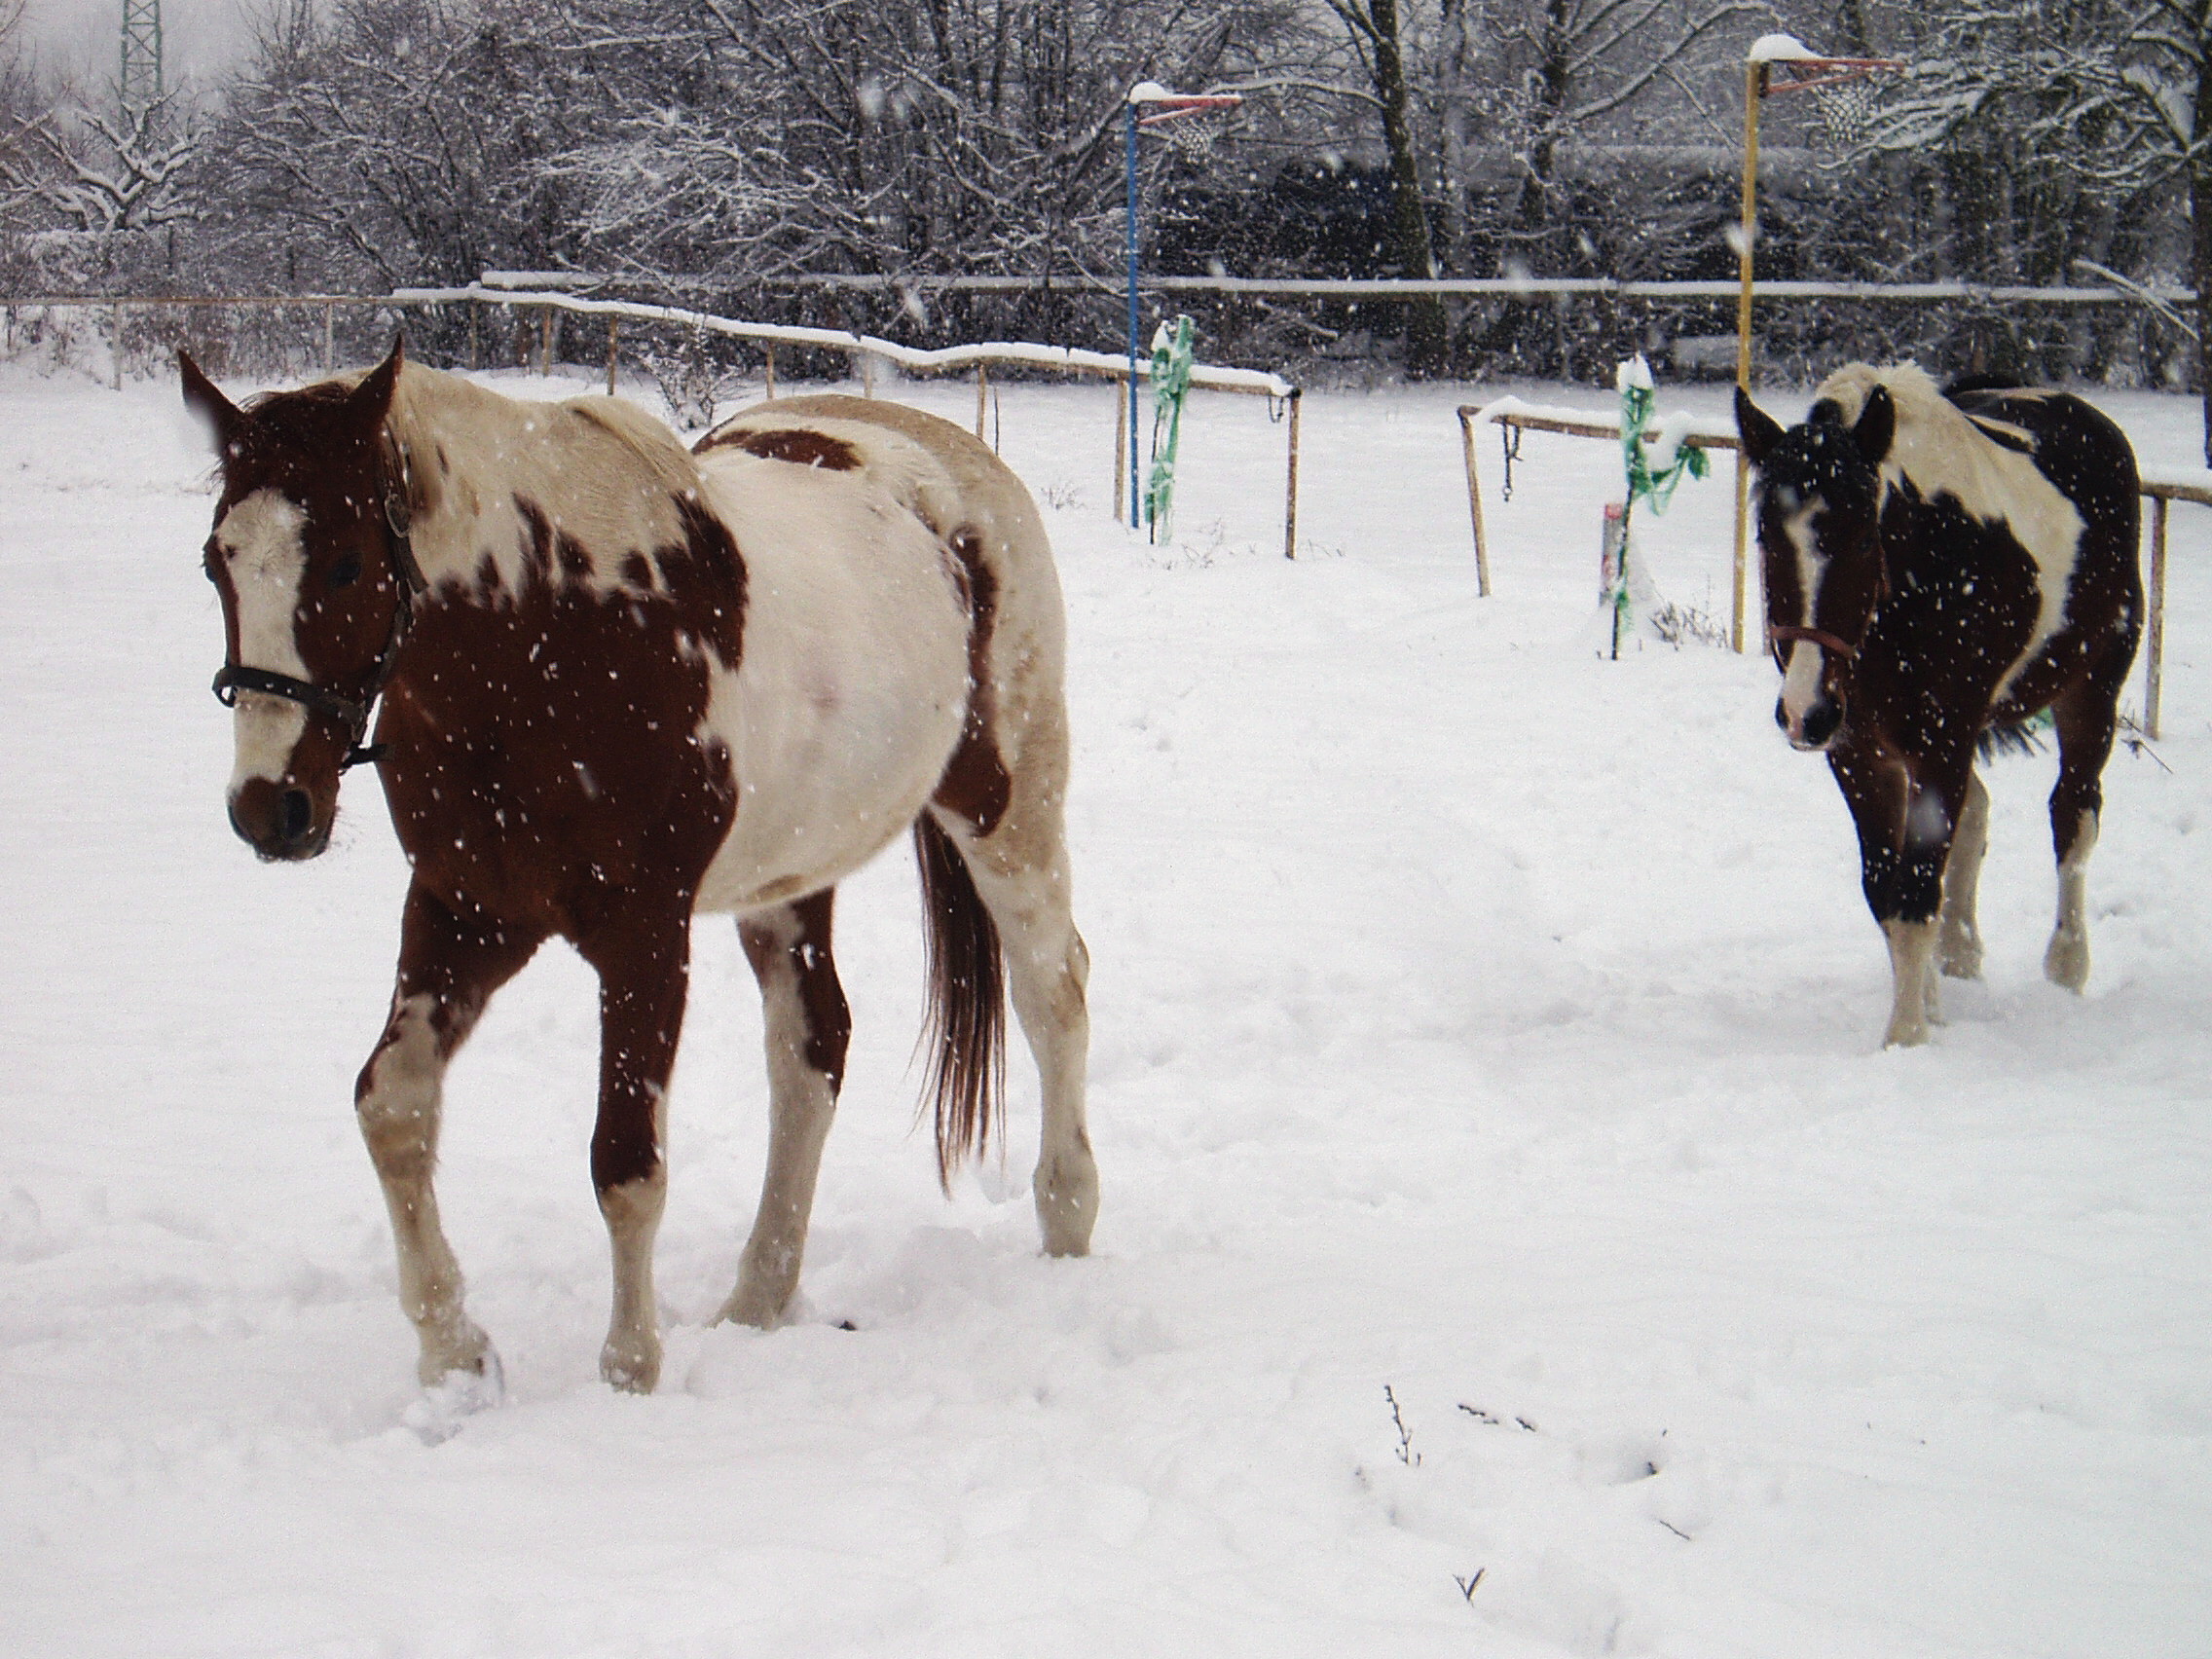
2159	489
1056	359
1401	287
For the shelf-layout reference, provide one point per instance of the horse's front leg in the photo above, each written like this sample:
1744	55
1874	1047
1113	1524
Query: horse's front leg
807	1027
450	963
642	951
1905	825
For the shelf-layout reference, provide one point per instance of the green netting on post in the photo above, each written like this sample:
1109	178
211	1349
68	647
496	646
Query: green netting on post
1170	384
1646	481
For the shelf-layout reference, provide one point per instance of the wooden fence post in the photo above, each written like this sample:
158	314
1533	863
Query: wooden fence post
2155	670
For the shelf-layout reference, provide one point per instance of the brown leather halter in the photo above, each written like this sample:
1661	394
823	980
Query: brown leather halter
350	713
1820	636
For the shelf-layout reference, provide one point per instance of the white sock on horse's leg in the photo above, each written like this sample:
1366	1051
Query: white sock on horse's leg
2066	961
1914	1002
1048	977
399	1104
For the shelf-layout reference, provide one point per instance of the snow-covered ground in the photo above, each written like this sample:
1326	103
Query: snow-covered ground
1513	1240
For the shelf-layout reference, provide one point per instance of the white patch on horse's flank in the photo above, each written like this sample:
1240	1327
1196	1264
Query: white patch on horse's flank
1942	451
260	542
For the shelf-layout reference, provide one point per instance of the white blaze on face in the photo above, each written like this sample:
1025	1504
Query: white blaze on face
259	541
1801	675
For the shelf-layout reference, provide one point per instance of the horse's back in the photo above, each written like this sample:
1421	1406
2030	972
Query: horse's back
2076	444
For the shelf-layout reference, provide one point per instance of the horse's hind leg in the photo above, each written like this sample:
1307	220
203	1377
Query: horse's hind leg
642	952
1959	950
449	967
808	1026
1022	876
2087	714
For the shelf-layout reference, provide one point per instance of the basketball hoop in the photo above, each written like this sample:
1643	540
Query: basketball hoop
1843	88
1189	123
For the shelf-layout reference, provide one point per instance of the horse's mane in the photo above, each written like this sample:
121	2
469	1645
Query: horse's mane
1917	398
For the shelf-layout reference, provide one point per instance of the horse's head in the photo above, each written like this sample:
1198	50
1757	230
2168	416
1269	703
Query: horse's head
309	554
1818	507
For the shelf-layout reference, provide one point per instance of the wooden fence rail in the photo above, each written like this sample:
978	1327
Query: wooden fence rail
866	349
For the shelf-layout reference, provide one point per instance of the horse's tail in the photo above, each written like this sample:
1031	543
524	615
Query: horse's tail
964	1026
2001	738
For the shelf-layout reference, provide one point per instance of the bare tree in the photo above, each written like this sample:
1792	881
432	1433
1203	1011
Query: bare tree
1373	28
93	170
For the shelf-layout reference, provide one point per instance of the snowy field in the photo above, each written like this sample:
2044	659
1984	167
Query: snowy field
1513	1241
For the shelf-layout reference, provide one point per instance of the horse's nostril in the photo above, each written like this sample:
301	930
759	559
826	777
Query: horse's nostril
1781	715
238	824
298	815
1821	723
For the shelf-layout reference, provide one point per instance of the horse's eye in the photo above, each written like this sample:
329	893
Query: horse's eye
347	572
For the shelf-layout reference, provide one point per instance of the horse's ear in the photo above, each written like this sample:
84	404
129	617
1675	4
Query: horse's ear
372	399
1756	429
206	400
1877	427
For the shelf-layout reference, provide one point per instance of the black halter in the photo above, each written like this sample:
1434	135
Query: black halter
350	713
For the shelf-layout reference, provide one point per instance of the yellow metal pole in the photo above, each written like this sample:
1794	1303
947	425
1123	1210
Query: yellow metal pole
1121	419
1754	90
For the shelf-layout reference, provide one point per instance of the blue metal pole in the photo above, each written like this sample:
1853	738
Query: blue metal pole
1131	218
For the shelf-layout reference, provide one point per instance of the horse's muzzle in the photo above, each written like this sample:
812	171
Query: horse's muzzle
280	824
1816	731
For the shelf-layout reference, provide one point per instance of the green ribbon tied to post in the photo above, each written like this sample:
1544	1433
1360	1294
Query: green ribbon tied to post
1645	482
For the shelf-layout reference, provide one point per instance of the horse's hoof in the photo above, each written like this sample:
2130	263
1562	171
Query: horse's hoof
1067	1207
2066	964
1960	959
1905	1034
436	1414
763	1310
633	1369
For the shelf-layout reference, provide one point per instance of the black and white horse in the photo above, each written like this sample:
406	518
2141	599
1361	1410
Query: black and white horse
1941	567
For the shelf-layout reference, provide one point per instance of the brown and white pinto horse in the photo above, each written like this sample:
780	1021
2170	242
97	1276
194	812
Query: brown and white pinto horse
622	682
1940	569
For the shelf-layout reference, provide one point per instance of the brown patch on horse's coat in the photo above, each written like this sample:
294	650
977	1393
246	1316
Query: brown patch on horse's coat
637	571
821	997
975	784
798	444
705	579
543	802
